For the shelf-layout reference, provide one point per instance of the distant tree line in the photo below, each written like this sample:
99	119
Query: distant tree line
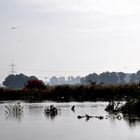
17	81
111	78
21	80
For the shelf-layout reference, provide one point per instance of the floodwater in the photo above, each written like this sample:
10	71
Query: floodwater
33	124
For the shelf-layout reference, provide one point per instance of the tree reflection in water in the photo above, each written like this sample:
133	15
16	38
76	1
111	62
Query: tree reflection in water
131	120
128	111
14	111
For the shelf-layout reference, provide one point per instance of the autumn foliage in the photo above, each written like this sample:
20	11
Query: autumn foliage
35	84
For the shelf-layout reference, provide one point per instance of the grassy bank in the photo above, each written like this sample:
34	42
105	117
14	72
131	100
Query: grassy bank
74	93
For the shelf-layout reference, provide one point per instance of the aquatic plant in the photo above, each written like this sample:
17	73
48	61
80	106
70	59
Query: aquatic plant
51	111
14	111
132	107
113	106
130	111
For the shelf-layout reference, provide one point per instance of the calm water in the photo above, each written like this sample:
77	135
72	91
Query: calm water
34	125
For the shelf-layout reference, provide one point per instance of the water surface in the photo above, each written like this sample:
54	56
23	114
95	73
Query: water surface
35	125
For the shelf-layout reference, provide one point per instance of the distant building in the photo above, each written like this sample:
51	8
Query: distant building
54	81
77	80
70	80
62	81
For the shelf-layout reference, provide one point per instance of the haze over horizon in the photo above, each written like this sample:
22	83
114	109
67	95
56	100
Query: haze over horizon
69	37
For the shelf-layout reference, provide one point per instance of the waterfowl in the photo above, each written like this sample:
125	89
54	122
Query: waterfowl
73	108
80	117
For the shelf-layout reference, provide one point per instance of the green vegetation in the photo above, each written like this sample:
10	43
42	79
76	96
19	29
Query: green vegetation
92	92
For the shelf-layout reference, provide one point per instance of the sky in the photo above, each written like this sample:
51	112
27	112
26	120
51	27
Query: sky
69	37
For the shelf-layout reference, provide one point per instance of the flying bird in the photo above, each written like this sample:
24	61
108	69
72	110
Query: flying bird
13	28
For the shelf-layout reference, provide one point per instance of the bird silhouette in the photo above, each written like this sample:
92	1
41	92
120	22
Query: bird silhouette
73	108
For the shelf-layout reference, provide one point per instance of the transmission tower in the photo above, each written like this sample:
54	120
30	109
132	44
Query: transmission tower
12	66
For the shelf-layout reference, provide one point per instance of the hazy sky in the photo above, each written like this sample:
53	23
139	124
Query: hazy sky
69	37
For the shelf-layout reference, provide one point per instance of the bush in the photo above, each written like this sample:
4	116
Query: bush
132	107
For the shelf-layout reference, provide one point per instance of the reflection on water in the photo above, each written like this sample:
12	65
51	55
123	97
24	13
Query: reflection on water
51	115
15	112
95	123
132	120
14	116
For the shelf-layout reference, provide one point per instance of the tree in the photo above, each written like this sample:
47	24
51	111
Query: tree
17	81
35	84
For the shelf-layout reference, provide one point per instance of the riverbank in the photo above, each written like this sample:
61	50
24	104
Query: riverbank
67	93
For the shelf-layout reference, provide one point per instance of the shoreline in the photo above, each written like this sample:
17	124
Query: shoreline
67	93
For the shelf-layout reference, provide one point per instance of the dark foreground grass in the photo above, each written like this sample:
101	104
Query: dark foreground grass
67	93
